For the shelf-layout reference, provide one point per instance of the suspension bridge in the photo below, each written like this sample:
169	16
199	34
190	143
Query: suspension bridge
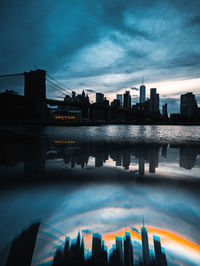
29	94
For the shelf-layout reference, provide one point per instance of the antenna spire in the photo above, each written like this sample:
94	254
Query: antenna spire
143	220
142	80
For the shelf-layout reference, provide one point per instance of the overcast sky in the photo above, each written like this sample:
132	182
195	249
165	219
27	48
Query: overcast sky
105	45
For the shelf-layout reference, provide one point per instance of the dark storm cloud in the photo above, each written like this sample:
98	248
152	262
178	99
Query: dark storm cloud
88	90
105	45
195	21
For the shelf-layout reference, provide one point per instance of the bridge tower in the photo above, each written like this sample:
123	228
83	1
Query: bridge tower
35	85
35	94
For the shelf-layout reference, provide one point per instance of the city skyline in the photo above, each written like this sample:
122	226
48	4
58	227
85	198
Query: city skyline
129	41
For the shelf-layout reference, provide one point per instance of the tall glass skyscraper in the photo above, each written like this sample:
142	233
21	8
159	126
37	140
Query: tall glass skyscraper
119	97
142	93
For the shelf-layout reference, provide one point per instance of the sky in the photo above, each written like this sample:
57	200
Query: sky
106	46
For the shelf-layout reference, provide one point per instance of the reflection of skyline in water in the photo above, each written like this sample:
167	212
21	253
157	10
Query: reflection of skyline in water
37	156
170	208
173	241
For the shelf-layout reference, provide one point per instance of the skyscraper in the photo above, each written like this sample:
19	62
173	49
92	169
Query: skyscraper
119	250
145	246
119	97
99	98
128	250
142	93
188	106
96	248
159	256
164	110
154	101
127	100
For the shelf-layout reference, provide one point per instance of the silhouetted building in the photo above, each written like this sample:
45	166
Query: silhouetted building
187	157
128	250
145	247
141	166
58	259
23	246
119	250
159	256
99	98
73	96
154	101
188	106
141	107
126	159
119	97
106	102
127	100
164	110
164	150
142	93
115	103
96	249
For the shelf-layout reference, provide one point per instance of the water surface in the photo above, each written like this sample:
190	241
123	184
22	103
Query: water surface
102	179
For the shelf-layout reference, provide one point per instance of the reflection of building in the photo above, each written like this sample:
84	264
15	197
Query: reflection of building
153	158
128	250
96	249
160	258
141	166
145	246
164	150
187	157
119	250
188	105
126	159
23	246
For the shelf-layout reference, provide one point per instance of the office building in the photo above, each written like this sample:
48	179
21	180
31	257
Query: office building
164	110
119	250
142	93
127	100
141	166
96	248
99	98
128	250
160	257
145	246
22	247
154	101
115	103
188	105
119	97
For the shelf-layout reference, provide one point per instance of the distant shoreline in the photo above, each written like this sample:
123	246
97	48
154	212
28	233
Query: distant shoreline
93	123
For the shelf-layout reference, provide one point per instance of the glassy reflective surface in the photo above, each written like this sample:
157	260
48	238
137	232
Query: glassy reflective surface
102	180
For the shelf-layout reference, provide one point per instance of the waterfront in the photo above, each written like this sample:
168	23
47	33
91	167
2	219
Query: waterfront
110	178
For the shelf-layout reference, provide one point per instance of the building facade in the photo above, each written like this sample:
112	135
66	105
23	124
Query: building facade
142	93
188	105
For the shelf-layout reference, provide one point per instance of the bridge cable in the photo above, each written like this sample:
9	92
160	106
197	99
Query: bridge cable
58	87
60	83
